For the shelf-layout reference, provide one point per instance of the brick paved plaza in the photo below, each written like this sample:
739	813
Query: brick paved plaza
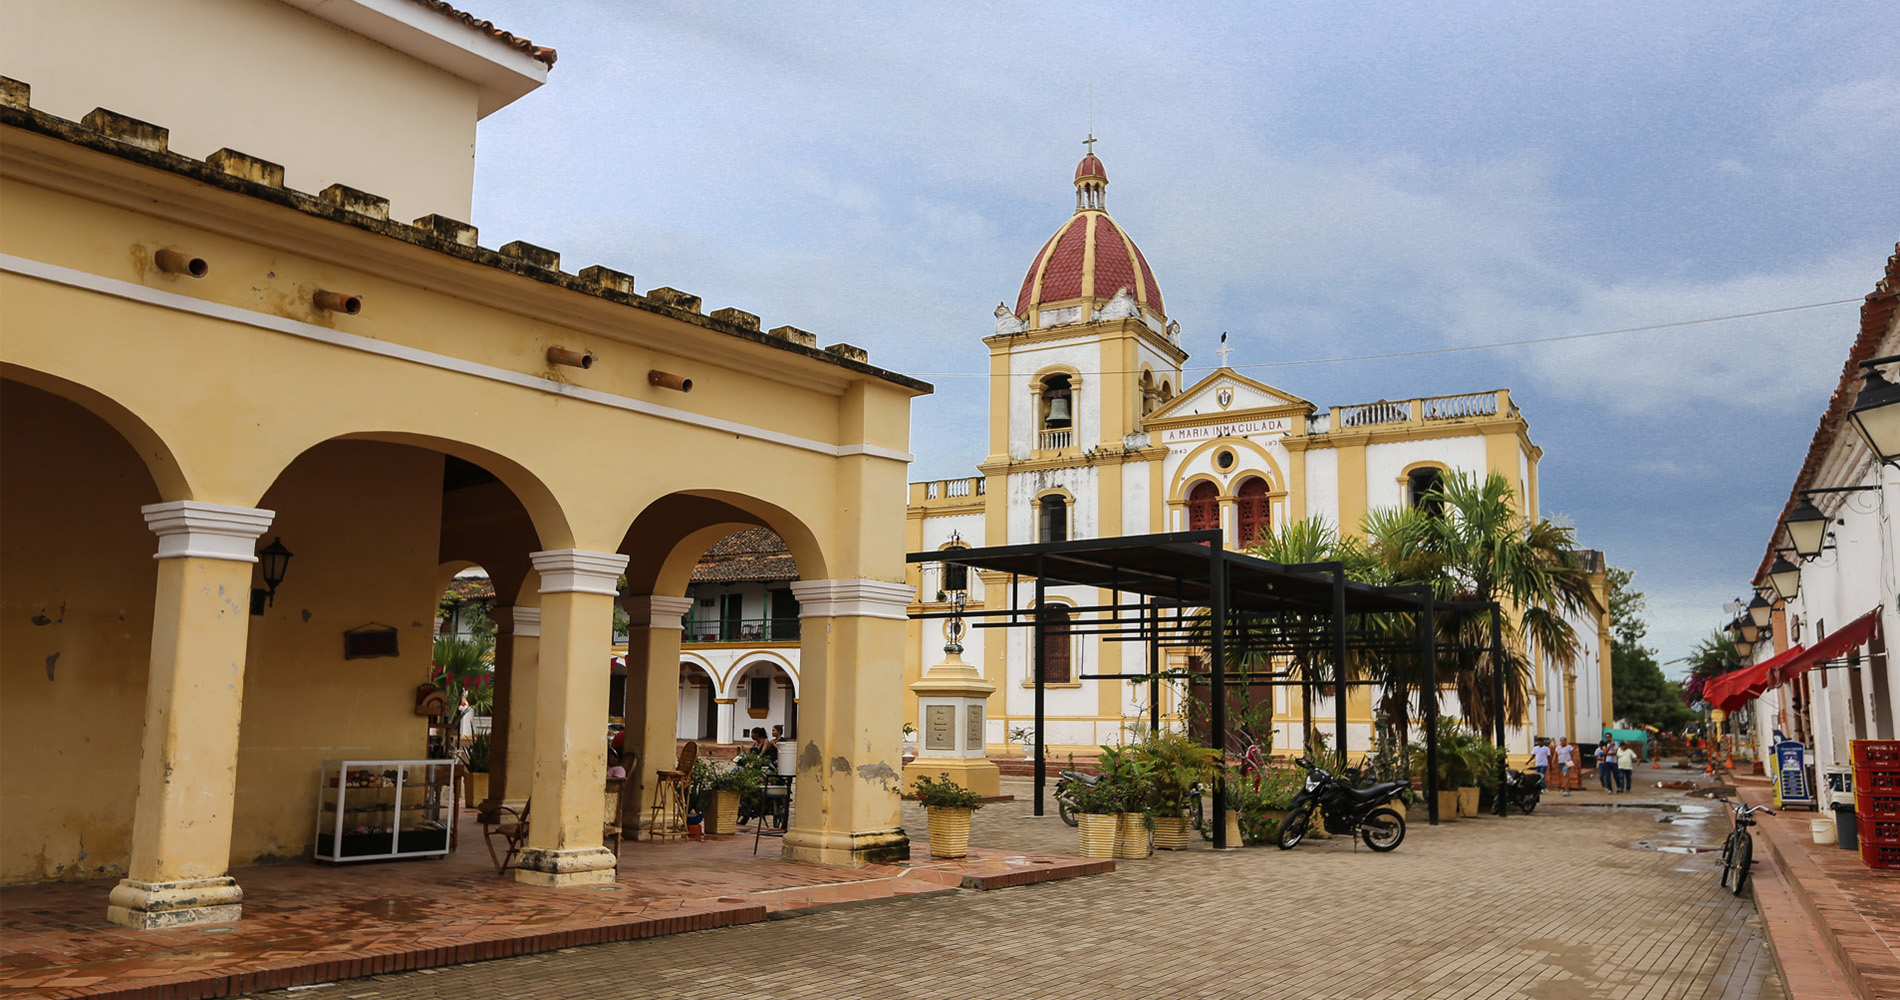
1557	905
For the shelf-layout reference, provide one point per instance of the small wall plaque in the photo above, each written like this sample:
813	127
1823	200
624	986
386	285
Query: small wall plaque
940	727
369	641
973	728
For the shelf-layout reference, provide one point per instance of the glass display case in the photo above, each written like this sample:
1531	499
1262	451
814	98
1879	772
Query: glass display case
374	810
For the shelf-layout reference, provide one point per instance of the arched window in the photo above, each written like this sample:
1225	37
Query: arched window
1056	643
1053	519
1255	513
1204	507
1150	396
1058	403
1422	483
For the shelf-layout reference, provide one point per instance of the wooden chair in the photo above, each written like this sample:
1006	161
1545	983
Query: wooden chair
511	828
669	795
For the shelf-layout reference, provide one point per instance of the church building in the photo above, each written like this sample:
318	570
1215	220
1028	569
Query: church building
1095	431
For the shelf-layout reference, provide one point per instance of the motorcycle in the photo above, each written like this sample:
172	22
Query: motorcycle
1523	789
1065	793
1360	812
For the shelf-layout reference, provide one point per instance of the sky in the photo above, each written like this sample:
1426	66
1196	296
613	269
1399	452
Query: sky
1321	180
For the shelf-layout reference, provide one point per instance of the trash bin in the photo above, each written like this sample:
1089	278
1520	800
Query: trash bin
1847	830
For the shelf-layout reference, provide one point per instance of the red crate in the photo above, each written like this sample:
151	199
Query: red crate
1880	831
1881	857
1877	779
1876	753
1882	804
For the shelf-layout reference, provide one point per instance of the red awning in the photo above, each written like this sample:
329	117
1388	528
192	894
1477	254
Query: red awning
1850	636
1736	688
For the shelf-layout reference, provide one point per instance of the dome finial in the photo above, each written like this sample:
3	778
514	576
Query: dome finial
1091	178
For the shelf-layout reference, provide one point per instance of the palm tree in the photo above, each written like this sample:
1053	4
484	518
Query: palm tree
1480	547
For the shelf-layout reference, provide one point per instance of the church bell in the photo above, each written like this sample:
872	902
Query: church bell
1058	412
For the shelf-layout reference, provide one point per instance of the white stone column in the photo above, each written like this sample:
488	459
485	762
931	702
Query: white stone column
570	733
724	709
181	825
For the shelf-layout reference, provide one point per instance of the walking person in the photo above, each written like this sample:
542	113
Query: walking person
1566	761
1606	763
1540	759
1625	763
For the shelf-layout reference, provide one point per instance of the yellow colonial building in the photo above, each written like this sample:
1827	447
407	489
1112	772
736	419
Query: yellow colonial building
218	335
1095	432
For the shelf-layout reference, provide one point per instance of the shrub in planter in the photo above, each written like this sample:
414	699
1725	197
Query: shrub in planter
950	807
1175	764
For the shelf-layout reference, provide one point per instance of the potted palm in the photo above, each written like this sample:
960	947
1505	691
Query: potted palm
1096	807
1130	786
724	792
1175	764
950	807
475	761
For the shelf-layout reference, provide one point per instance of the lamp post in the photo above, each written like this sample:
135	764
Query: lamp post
1876	412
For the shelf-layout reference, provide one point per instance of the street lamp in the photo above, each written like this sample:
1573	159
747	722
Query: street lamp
275	559
1807	528
1785	577
1758	611
1876	412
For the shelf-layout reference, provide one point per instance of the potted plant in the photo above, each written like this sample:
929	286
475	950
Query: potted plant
949	807
1023	737
725	790
1130	786
475	761
1096	806
1264	803
1175	764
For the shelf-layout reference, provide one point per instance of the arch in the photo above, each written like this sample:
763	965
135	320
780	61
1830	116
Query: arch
1150	393
759	658
1058	642
1185	474
669	535
953	579
1417	479
158	457
1055	514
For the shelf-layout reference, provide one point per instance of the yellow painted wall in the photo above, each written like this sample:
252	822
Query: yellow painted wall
362	518
75	637
262	78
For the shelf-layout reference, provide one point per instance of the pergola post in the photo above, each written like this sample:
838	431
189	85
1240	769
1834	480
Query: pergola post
1041	660
1429	699
1497	700
1339	662
1217	650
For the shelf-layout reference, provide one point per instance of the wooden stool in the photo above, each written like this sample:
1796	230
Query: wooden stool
669	794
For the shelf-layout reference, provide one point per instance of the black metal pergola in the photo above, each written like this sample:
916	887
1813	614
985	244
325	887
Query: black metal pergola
1185	589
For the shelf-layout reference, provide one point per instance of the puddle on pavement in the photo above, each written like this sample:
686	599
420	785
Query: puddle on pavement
1672	847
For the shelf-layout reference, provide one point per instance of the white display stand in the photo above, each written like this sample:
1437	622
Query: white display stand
377	810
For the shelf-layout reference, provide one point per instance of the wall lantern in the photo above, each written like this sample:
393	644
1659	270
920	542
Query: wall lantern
1759	610
1807	528
1785	577
1743	649
1876	412
274	560
1750	632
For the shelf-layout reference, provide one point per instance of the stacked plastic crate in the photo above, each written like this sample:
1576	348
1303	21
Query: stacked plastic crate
1877	801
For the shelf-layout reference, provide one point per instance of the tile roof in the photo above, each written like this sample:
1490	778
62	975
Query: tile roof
750	555
540	53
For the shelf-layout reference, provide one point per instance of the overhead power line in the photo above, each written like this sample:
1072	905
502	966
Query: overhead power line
1457	349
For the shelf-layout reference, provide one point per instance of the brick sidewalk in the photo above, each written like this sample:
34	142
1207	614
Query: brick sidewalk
1853	911
309	923
1572	903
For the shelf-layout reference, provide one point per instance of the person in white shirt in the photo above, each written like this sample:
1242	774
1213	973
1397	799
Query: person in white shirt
1540	759
1625	763
1566	761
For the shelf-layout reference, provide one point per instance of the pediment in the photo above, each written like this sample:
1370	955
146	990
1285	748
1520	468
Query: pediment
1202	401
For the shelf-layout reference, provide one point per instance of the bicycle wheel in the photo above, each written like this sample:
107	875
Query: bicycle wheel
1293	827
1066	811
1728	856
1744	857
1382	829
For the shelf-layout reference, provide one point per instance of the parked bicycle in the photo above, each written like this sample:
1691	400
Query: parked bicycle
1738	851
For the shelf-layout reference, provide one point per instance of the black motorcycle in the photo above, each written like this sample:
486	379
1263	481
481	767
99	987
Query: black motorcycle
1359	812
1523	789
1065	794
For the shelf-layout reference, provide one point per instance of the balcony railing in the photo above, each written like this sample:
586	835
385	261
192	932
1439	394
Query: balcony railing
741	630
954	488
1424	409
1051	440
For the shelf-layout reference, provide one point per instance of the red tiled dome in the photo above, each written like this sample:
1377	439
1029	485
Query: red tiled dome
1088	258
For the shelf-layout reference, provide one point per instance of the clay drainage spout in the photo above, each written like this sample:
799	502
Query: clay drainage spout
173	262
573	359
668	380
349	305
